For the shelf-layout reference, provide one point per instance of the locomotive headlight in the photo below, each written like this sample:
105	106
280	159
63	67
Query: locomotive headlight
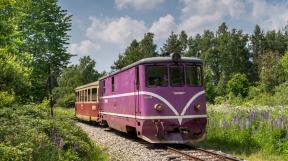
197	107
158	107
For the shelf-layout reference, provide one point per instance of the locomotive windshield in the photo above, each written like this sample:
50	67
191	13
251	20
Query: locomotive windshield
193	75
157	76
176	76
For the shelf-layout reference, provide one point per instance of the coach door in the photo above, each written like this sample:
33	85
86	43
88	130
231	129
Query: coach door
137	87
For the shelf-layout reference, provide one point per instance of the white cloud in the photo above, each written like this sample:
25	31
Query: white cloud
121	31
138	4
270	16
163	27
118	31
85	47
198	15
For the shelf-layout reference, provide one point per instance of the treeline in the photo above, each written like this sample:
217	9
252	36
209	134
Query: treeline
239	67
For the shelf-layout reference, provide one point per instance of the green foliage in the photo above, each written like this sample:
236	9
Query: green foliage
136	51
44	31
6	98
175	43
271	74
284	66
238	85
28	133
74	76
209	86
281	93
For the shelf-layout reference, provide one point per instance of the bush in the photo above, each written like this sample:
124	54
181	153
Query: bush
238	85
6	99
281	94
29	133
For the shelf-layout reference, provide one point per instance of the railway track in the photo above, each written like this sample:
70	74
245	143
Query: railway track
137	149
197	154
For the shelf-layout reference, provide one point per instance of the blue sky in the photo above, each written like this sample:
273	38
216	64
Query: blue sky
102	29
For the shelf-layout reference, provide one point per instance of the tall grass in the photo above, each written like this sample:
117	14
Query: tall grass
246	131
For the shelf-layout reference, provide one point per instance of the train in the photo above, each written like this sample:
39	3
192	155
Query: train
160	99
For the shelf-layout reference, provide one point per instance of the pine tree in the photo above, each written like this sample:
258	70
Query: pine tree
136	51
172	44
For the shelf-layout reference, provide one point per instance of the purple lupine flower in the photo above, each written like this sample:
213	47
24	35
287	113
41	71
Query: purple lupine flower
61	143
247	122
280	122
75	147
265	115
236	119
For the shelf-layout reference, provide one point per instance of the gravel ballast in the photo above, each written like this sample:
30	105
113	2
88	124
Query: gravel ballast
121	146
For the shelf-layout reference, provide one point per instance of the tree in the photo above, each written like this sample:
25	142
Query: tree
257	47
136	51
86	70
15	64
183	39
44	33
72	77
172	44
271	73
284	66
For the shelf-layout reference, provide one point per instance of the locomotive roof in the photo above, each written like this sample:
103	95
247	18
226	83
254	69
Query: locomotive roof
154	60
87	85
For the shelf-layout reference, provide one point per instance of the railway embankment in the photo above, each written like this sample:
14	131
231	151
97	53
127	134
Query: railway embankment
29	133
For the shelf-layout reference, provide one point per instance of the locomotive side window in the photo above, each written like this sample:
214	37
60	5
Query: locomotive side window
113	84
193	75
156	76
104	87
176	76
94	94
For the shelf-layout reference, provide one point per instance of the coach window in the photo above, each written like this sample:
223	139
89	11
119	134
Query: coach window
156	76
81	96
94	94
176	76
193	76
85	95
113	84
88	95
77	96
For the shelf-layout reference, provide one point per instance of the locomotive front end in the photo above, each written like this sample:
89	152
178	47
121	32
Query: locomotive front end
172	106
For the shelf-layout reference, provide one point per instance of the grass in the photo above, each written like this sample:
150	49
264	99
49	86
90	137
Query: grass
252	133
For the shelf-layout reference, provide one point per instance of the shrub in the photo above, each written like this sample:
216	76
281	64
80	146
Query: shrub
281	94
6	98
238	85
29	133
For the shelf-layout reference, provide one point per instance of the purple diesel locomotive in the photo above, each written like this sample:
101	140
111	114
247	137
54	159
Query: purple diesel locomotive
161	99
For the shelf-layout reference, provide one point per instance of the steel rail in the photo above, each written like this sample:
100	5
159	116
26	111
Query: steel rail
185	154
221	156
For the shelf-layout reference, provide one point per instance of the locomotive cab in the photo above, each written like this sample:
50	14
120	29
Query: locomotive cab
174	102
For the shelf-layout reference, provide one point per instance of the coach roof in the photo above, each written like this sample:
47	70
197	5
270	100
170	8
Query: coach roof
154	60
87	85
